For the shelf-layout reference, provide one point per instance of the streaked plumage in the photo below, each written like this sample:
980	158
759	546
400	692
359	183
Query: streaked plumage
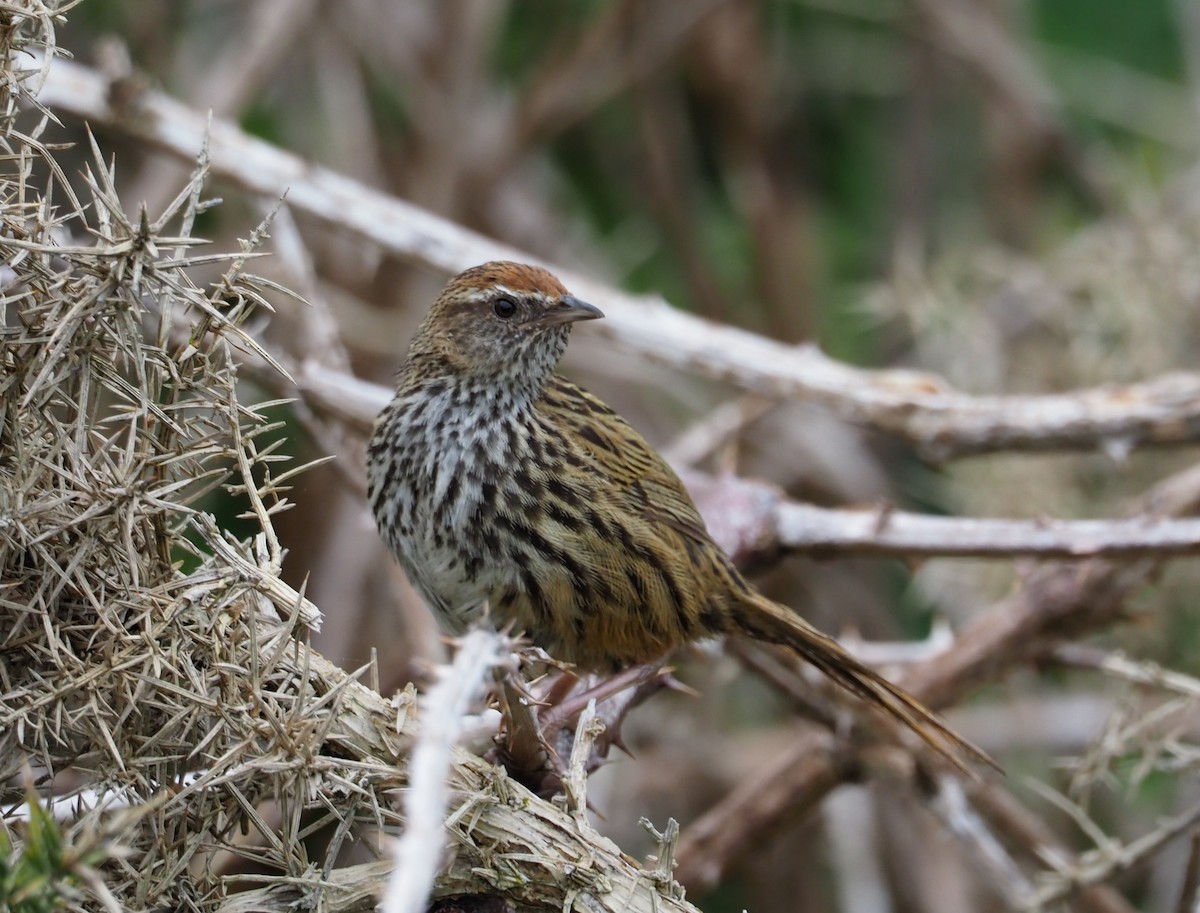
496	481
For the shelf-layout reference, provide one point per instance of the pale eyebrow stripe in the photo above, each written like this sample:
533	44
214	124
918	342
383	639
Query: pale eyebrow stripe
481	295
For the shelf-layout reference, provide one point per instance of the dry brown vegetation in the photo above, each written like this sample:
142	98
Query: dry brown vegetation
206	740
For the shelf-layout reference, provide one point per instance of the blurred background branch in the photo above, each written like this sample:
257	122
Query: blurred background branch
918	407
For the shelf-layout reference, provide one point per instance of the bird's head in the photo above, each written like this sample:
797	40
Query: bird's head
500	320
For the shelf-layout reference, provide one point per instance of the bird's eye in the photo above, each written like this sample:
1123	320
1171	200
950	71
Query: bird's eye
504	308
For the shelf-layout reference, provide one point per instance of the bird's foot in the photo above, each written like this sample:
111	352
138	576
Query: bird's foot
540	718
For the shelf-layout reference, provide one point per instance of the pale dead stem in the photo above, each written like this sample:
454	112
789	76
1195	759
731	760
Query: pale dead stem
418	851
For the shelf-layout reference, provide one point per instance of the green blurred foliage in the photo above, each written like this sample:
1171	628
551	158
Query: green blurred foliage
40	873
1141	35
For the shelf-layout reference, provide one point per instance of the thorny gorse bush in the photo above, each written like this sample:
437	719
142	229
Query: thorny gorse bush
144	655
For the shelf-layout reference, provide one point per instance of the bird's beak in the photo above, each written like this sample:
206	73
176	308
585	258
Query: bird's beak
568	310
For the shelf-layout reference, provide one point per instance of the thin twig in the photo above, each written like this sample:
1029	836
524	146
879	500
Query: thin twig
1035	841
1141	672
587	729
1103	864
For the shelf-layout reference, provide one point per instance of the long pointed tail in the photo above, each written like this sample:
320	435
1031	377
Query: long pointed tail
765	620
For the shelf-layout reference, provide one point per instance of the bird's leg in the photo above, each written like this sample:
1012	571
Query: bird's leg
539	728
560	689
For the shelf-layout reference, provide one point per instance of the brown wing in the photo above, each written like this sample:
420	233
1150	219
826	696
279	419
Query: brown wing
666	537
630	563
635	471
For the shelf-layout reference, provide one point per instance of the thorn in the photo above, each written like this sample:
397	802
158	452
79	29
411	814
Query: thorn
671	683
